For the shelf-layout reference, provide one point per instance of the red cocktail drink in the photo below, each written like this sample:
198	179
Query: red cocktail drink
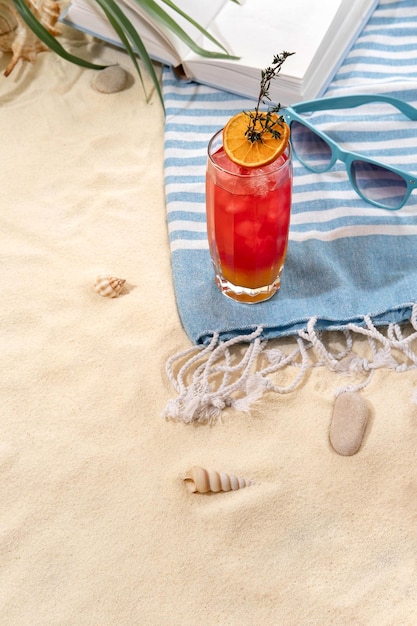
248	218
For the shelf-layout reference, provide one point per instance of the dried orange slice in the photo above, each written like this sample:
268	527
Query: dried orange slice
247	154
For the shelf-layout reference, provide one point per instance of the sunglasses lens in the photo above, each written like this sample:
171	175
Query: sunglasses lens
310	148
378	184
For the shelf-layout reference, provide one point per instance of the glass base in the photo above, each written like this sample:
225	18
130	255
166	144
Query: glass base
245	294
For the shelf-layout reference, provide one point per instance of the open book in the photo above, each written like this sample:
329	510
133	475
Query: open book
320	32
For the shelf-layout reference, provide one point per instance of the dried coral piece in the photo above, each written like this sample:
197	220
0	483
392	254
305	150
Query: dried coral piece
18	38
200	480
109	286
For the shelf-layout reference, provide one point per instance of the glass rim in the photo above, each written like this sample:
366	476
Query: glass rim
251	171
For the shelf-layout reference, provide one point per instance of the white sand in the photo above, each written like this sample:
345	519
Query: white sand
96	526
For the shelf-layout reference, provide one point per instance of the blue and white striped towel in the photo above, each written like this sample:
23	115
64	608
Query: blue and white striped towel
349	265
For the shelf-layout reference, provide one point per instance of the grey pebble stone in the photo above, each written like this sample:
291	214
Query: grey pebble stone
110	80
348	424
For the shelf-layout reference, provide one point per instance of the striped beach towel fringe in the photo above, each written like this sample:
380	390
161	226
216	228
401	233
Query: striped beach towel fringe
237	372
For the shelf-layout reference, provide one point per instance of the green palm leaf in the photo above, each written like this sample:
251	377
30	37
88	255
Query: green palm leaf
48	39
127	34
131	40
159	15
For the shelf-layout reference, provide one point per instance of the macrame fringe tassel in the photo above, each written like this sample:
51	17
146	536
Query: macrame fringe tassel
223	374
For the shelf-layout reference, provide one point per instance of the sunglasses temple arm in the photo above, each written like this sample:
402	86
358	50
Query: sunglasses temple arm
348	102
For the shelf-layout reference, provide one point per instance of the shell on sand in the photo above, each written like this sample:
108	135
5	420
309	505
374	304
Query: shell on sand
109	286
200	480
16	36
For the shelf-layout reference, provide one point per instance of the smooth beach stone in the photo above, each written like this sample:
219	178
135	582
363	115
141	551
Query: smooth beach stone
110	80
348	425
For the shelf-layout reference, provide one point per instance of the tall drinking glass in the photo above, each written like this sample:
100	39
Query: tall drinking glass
248	218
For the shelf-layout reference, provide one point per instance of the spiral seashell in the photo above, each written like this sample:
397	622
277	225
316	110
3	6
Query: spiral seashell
18	38
109	286
200	480
8	21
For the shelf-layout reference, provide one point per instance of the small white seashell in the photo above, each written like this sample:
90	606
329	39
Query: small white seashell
109	286
200	480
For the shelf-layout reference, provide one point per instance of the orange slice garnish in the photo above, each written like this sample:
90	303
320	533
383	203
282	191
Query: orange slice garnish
262	152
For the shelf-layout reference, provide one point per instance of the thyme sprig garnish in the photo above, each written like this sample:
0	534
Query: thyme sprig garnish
261	122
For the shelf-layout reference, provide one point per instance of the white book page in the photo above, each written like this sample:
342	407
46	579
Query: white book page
201	11
159	41
258	29
88	15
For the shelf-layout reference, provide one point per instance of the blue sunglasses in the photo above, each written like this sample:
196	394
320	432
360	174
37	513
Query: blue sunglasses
381	185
